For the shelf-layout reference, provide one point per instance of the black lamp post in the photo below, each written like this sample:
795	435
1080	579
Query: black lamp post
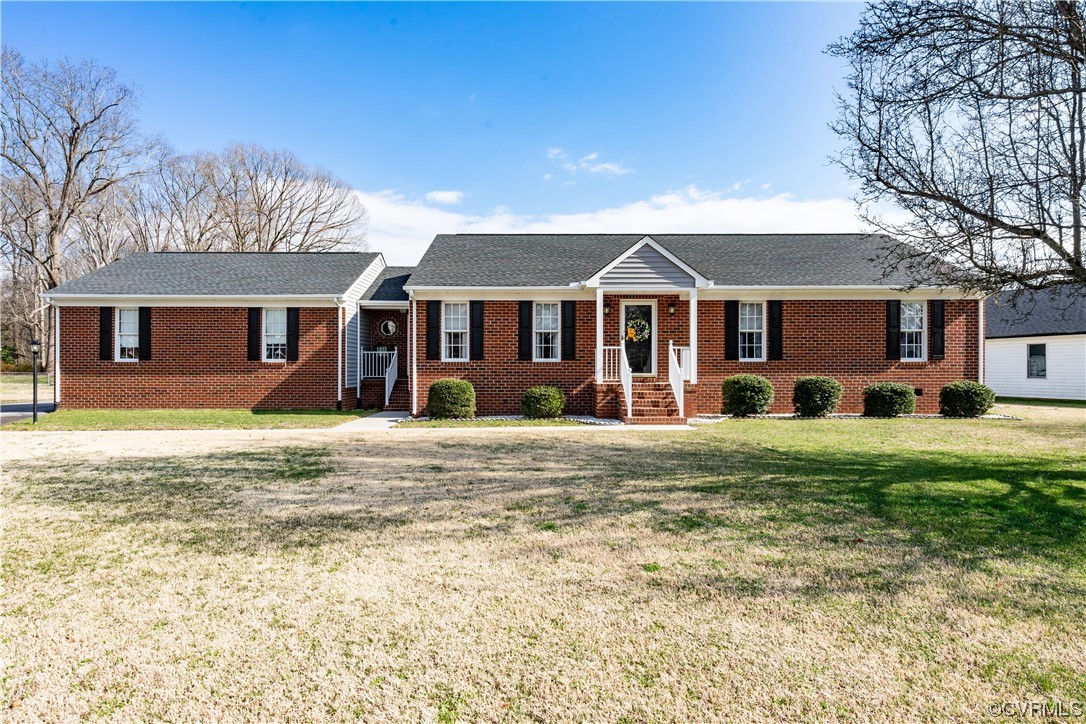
35	348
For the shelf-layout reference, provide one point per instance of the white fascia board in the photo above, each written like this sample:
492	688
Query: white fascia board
842	291
146	300
699	280
370	304
469	293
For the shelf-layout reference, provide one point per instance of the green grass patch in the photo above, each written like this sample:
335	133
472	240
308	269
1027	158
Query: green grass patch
561	422
1039	402
189	419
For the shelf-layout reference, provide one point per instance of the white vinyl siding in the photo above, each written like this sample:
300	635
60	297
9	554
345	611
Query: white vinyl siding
751	331
275	335
547	332
913	342
127	347
1006	367
454	332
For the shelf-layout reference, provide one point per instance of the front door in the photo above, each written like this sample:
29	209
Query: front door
639	336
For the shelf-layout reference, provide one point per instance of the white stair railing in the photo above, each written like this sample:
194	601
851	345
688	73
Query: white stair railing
626	377
391	374
684	361
376	363
610	364
675	374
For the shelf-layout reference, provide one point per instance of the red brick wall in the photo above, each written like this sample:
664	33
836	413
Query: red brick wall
199	359
845	340
501	379
842	339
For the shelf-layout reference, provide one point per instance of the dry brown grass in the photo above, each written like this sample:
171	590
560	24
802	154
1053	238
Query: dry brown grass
754	570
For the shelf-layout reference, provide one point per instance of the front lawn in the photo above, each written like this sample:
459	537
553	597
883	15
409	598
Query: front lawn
762	570
188	419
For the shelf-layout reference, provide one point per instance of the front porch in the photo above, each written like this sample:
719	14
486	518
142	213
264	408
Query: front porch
646	353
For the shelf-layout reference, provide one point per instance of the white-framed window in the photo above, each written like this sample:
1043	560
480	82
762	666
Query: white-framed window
127	347
275	335
547	332
1036	361
454	332
913	347
751	331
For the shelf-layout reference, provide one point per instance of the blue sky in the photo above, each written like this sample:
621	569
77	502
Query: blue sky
501	117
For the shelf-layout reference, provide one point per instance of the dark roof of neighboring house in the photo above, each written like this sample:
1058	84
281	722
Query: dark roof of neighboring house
530	260
388	286
224	273
1035	314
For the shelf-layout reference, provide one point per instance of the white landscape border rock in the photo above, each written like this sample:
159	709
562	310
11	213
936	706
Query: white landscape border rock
583	419
714	419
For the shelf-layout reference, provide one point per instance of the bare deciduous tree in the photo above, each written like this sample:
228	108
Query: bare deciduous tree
970	118
271	201
68	136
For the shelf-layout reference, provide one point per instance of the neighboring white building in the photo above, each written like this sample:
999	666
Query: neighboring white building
1036	345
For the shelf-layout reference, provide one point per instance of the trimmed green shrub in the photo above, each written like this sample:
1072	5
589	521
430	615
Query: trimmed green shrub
816	396
966	399
543	402
451	398
889	399
745	395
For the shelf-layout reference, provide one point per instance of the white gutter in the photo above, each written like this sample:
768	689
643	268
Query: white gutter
339	355
414	324
981	341
56	353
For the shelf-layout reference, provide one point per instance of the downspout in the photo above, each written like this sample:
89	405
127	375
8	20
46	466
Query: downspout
981	340
414	324
56	361
339	355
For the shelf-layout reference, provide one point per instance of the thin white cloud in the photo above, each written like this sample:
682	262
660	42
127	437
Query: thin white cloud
448	198
402	228
589	163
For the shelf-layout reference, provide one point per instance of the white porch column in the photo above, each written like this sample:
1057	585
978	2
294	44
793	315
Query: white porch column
599	334
694	336
414	324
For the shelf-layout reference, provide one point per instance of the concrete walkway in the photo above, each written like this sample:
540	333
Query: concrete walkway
377	421
15	411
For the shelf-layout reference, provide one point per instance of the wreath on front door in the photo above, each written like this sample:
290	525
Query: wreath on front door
637	330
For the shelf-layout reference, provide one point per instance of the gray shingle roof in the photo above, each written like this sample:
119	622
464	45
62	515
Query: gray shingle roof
514	260
388	286
1057	311
225	273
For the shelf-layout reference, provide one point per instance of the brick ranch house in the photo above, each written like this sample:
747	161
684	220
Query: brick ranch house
629	326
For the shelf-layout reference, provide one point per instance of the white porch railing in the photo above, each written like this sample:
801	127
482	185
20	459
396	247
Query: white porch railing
390	375
684	361
383	363
625	376
375	364
675	374
611	364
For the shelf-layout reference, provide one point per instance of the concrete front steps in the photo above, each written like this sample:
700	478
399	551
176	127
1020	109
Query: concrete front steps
400	399
654	404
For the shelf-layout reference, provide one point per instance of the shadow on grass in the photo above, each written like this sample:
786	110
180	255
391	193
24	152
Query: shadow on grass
963	507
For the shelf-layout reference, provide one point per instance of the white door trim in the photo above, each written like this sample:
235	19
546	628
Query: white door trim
622	321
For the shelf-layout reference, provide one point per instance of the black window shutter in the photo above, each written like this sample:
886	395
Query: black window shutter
476	327
893	329
292	334
254	334
145	333
938	327
776	341
731	330
569	330
105	333
433	330
524	331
